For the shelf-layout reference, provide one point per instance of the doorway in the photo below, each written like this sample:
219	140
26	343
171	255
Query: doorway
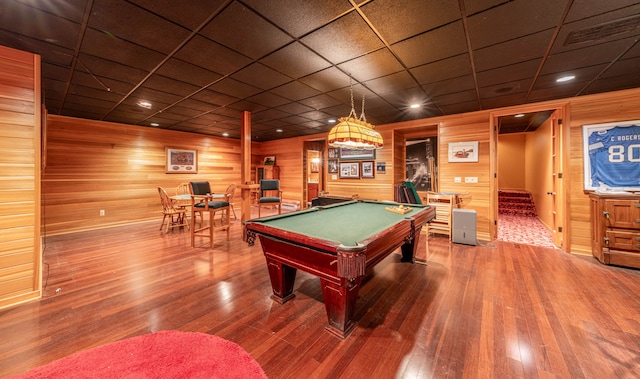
313	170
528	166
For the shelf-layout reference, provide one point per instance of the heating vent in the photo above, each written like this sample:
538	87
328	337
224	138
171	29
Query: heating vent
602	31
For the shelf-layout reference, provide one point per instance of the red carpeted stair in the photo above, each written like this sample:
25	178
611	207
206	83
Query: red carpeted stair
519	203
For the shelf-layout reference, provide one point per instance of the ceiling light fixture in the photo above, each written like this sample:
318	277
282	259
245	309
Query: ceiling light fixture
144	104
414	106
519	115
352	133
154	124
565	78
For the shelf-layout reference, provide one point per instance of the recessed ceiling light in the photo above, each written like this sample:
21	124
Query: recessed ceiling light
144	104
154	124
565	78
414	106
332	121
225	134
279	130
519	115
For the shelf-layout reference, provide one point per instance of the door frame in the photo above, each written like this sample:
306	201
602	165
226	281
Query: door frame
561	131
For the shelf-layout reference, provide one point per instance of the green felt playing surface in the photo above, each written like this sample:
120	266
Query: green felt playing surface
346	223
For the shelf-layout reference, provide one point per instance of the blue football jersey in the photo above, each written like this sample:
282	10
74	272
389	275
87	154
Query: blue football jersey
615	157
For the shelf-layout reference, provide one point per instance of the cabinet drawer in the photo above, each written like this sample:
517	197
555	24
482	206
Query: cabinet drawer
623	239
622	213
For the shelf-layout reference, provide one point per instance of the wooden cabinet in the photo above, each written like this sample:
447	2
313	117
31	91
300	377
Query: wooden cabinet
615	235
312	191
267	172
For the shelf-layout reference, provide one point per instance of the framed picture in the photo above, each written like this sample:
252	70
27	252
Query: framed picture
332	166
314	167
181	161
353	154
333	153
269	161
611	156
368	169
349	170
381	167
463	152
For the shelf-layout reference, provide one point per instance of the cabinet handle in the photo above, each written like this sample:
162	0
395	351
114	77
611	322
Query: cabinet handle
606	241
606	214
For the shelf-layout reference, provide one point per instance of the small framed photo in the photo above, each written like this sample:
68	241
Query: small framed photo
333	153
332	166
381	167
314	167
349	170
180	161
269	161
463	151
368	169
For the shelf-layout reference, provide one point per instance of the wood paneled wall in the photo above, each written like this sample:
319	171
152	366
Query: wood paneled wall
77	148
586	110
20	122
95	165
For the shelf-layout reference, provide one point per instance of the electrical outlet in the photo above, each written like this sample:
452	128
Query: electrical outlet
471	179
457	179
101	212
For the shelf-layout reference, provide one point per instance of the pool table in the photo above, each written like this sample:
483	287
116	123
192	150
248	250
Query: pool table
338	243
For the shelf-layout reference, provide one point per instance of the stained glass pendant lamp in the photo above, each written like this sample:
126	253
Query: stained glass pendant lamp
354	133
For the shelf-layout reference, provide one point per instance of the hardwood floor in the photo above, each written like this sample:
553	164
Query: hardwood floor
499	310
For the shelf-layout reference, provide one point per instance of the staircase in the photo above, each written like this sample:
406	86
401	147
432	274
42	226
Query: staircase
519	203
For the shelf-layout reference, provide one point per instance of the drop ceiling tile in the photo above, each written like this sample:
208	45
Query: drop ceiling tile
417	17
243	105
583	9
175	87
296	60
320	102
326	80
212	56
102	45
391	83
585	57
509	73
121	20
449	68
344	39
268	99
295	91
372	65
441	43
444	87
503	89
242	30
234	88
503	101
26	20
261	76
294	108
511	52
214	98
614	83
189	14
187	72
107	68
512	20
299	17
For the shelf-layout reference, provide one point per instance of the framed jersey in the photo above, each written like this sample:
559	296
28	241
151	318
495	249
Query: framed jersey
612	156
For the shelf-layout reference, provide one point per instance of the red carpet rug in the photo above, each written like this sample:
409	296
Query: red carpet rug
523	229
166	354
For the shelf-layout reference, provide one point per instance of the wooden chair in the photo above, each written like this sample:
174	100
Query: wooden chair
206	204
231	191
184	189
443	204
267	189
176	216
198	189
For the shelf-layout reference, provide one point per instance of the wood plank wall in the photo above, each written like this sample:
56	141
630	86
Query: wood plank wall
615	106
20	121
95	165
585	110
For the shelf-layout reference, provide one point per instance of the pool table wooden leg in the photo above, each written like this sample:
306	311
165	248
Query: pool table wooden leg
282	278
340	302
